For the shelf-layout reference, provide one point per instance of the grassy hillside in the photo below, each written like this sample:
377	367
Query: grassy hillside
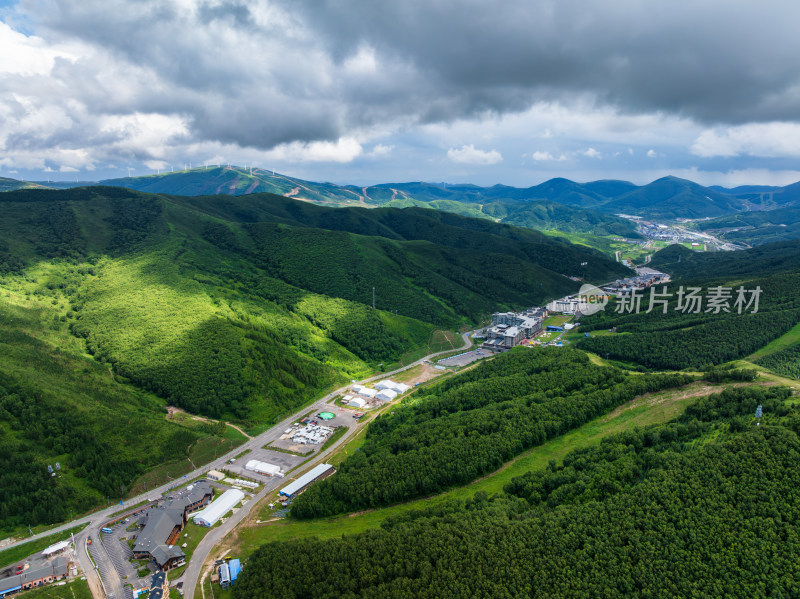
14	184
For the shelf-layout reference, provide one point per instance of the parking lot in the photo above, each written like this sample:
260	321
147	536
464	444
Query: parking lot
120	554
465	358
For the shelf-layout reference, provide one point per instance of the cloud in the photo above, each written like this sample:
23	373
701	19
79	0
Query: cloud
779	139
592	153
539	156
651	153
343	150
380	150
471	155
103	82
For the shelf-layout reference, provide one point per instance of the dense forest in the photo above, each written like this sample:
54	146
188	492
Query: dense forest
681	339
457	430
785	361
703	506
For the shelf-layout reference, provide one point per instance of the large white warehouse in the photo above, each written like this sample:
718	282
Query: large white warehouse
263	468
316	473
218	508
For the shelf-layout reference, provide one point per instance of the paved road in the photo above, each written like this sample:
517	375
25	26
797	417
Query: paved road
111	585
200	555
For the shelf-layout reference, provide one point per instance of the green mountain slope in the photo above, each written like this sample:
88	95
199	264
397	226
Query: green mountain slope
701	506
773	258
756	228
674	336
115	303
14	184
671	197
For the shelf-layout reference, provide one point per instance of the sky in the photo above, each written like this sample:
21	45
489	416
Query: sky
513	91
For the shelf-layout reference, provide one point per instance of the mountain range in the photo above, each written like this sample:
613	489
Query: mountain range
752	214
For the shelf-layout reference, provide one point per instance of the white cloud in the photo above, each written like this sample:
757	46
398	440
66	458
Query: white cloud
539	156
380	150
770	140
345	149
31	54
651	153
592	153
472	155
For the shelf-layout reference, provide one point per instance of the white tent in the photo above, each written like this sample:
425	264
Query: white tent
358	388
386	395
218	508
368	392
263	468
357	402
401	387
389	384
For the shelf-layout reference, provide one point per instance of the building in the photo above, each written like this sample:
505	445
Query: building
163	525
357	402
218	508
317	473
565	305
386	395
224	576
511	328
35	576
215	475
263	468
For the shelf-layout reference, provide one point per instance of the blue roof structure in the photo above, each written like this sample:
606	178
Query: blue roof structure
234	567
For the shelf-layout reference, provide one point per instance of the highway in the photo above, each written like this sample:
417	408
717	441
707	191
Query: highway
111	586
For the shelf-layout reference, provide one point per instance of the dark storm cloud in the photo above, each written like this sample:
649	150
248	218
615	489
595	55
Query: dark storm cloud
263	73
714	61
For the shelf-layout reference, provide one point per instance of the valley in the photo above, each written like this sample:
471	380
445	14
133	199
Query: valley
225	283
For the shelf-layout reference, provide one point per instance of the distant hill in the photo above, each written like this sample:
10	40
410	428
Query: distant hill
671	197
667	198
14	184
756	227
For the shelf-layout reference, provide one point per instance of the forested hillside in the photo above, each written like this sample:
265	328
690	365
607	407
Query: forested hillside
757	227
772	258
684	338
58	405
458	430
702	506
115	303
